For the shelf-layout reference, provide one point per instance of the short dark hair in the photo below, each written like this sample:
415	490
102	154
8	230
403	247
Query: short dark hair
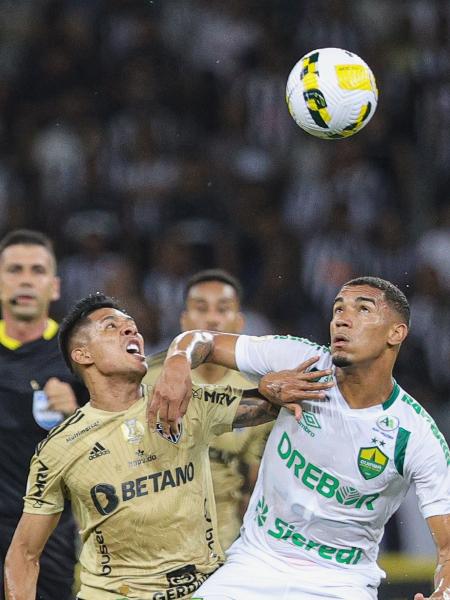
213	275
77	317
394	296
28	237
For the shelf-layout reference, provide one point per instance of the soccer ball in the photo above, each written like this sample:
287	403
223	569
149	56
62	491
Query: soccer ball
331	93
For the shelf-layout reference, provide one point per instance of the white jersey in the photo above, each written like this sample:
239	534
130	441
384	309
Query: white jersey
328	484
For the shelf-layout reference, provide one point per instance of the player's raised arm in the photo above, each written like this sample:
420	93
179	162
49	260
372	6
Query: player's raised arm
22	560
173	389
440	530
174	386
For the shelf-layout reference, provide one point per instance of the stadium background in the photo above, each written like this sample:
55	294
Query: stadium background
150	139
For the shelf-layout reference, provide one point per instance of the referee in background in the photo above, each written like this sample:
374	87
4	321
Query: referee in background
37	392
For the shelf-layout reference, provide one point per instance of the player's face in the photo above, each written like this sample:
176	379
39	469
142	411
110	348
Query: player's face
114	344
212	305
361	326
27	281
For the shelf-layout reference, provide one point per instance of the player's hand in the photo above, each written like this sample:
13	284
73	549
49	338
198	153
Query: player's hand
60	396
171	394
288	388
436	595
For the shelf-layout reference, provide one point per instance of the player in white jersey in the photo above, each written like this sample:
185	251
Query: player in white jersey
330	481
143	499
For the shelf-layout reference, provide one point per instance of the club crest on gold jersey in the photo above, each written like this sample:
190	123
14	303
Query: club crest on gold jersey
174	438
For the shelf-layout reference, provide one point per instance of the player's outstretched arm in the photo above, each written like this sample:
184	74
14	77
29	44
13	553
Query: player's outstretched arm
22	559
440	530
173	388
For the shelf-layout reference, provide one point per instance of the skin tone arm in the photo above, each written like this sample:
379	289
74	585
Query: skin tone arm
173	389
22	559
440	530
254	409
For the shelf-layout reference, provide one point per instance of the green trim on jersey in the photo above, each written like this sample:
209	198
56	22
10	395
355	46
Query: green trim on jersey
418	408
400	448
304	340
393	397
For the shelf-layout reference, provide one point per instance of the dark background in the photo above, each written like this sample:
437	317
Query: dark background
150	139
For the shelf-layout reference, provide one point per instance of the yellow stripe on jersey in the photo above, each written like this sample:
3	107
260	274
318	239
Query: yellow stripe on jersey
12	344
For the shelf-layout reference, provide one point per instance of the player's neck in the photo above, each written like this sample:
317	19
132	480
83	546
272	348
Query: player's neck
210	373
24	331
364	387
112	394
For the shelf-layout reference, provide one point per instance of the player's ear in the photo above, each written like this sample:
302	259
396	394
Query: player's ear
81	356
397	334
56	292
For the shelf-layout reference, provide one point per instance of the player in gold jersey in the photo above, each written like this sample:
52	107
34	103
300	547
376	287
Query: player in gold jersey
143	499
212	301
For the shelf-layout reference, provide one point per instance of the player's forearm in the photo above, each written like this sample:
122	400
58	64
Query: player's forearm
21	575
198	347
442	576
254	409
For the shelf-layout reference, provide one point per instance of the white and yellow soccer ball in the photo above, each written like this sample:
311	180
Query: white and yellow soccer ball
331	93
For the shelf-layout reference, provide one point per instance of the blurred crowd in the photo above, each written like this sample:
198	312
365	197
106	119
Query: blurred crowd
150	138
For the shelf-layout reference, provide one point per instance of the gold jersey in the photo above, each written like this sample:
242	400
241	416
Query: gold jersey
143	500
230	454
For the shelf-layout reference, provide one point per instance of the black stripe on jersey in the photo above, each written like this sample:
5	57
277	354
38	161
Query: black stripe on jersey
77	416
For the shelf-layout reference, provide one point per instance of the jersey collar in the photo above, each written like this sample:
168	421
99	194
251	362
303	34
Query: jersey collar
12	344
393	397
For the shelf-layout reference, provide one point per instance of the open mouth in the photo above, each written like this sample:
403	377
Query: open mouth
133	348
340	340
22	299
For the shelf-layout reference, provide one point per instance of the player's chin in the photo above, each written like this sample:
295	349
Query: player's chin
341	360
28	313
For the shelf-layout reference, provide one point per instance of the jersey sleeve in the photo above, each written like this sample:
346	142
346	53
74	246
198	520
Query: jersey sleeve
427	463
216	407
45	486
257	440
256	356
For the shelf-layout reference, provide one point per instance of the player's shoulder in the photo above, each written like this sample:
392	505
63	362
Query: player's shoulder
154	365
408	409
412	420
157	359
60	438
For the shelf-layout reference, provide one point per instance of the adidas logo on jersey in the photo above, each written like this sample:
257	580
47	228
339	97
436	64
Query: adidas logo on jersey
97	451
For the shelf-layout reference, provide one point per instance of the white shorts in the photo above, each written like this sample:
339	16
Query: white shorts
245	577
